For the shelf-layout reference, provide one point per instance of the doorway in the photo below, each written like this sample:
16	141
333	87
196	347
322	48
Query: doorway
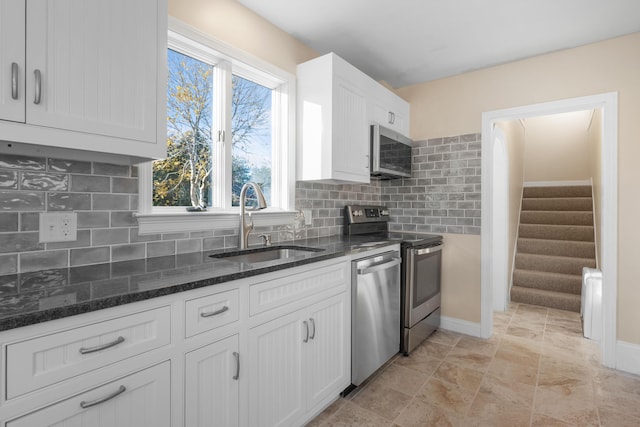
494	195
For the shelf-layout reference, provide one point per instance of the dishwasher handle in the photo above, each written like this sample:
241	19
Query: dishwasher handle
377	267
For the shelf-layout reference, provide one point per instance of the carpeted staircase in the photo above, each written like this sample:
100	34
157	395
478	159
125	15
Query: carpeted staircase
555	241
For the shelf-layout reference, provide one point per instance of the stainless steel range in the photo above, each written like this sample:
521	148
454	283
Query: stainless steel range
421	270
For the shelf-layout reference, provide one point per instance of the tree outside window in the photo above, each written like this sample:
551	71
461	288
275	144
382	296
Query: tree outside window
184	178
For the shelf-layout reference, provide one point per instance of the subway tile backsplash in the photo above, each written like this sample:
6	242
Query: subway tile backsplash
443	195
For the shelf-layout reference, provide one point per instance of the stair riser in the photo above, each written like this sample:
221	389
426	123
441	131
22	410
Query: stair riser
557	247
557	232
577	204
560	302
559	191
552	264
550	282
557	217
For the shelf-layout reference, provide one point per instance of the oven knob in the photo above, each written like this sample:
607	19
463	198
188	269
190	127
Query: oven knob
384	213
359	212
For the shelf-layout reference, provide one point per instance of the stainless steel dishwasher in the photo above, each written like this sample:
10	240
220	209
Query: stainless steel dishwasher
375	318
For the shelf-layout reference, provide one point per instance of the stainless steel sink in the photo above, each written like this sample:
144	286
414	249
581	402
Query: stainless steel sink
272	253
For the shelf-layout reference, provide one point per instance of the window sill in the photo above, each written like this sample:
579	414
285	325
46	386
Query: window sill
172	222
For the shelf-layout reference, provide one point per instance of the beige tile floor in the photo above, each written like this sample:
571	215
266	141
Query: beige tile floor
536	370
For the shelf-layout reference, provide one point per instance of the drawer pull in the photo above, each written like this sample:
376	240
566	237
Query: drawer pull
102	347
119	391
237	356
215	313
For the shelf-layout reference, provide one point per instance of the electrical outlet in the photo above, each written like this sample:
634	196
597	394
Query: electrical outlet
308	220
58	227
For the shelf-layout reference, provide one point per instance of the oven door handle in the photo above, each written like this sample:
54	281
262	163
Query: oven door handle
428	250
377	267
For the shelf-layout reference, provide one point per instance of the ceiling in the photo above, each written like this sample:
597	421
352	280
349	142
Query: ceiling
412	41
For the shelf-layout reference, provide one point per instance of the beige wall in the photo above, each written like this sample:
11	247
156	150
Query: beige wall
551	142
515	136
460	277
231	22
454	105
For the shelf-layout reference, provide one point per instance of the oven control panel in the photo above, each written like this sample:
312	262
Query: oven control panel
355	214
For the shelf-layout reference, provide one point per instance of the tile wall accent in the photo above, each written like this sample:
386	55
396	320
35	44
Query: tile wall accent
327	202
443	194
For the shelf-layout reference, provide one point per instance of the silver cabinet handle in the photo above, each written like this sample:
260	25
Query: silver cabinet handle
313	325
393	117
101	347
237	356
389	119
38	87
215	313
306	325
367	164
119	391
14	80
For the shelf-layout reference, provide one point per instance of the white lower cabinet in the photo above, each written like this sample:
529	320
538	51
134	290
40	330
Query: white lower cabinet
211	384
273	350
141	399
298	361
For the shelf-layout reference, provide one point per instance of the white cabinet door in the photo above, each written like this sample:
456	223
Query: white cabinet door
388	109
141	399
328	356
298	361
275	372
333	131
12	60
211	384
350	133
97	64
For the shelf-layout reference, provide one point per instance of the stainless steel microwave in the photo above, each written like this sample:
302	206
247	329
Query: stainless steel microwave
390	153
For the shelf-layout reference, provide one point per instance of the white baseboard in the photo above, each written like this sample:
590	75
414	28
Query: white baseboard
628	357
460	326
556	183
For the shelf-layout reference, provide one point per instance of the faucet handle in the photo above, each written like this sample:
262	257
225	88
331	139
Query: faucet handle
266	239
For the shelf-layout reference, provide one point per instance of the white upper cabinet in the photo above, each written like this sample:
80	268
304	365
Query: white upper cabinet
337	103
388	109
333	131
93	77
12	59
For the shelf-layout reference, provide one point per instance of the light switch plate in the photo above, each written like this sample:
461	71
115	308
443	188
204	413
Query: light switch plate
58	227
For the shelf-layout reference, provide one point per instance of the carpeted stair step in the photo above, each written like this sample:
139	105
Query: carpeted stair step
557	191
541	297
557	217
581	233
553	264
557	204
558	282
557	247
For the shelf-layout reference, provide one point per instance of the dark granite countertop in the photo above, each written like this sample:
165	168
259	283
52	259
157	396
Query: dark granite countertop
40	296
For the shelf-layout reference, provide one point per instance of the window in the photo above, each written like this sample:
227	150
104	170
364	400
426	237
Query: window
228	123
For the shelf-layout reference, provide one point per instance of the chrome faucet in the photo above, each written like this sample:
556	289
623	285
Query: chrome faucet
245	228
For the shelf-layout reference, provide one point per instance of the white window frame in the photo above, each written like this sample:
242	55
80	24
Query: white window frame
152	219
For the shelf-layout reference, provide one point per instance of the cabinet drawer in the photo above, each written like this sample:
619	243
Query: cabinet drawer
141	399
45	360
207	313
275	293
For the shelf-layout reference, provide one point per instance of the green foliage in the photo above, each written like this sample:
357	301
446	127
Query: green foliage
184	177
